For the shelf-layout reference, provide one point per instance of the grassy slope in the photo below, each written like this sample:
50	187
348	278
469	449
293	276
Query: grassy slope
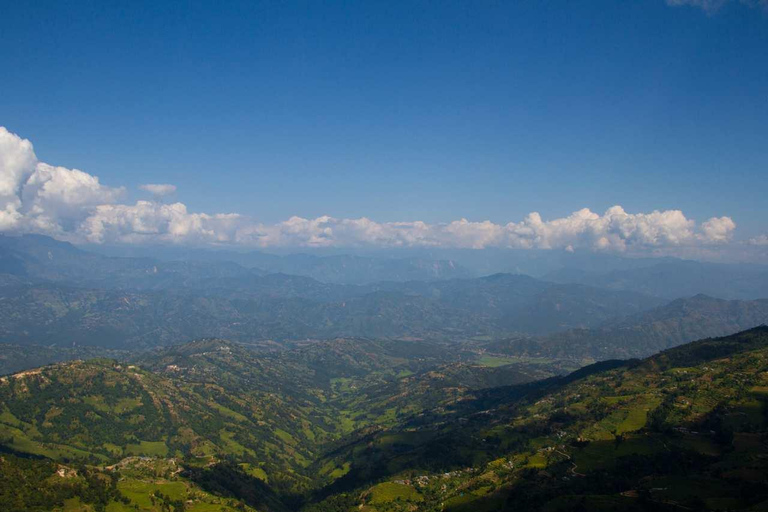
686	428
103	411
32	485
634	435
212	401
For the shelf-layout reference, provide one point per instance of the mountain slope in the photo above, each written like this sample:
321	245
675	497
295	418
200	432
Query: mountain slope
102	412
683	429
347	424
228	415
640	335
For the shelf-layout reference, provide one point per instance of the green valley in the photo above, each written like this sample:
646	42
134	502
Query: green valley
382	425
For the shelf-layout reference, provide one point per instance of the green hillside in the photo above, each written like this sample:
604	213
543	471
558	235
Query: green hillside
644	435
101	411
353	424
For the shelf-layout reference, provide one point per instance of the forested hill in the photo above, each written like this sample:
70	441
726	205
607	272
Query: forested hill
313	430
685	429
645	333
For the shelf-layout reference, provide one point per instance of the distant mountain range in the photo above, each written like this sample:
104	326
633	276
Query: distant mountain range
664	277
52	293
272	307
38	258
676	278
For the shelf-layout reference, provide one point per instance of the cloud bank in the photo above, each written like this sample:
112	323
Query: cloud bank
71	204
615	230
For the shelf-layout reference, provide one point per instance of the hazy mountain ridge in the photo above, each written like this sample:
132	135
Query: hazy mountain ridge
58	294
351	269
643	334
55	314
37	256
677	278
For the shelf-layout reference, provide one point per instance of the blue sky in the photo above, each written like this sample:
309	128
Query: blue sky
401	111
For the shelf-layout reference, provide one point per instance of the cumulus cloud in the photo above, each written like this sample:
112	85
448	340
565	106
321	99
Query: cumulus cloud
17	162
35	196
761	240
615	230
718	229
151	222
158	189
72	204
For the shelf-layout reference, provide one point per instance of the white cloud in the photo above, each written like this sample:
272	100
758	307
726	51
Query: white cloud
55	199
158	189
17	163
35	196
759	240
712	6
615	230
72	204
718	230
151	222
709	6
